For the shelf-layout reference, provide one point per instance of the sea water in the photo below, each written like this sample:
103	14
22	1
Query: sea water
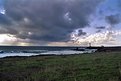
61	52
6	51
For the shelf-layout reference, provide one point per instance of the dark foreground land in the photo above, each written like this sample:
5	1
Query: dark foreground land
102	66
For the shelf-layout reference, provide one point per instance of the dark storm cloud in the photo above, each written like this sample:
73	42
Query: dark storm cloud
101	27
46	20
81	32
4	20
113	19
8	30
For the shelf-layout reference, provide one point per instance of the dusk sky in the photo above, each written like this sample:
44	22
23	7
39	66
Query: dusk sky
60	22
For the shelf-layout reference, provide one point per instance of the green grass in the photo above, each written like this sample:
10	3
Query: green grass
86	67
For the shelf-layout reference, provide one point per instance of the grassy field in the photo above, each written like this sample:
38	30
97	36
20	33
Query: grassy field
86	67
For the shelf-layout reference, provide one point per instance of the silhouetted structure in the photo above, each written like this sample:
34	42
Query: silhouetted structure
90	45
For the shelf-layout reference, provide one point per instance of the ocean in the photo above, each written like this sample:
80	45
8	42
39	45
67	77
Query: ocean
7	51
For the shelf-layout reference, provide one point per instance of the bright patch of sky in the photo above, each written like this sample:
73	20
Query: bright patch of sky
107	8
2	10
98	19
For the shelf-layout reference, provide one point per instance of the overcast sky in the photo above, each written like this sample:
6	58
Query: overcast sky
60	22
